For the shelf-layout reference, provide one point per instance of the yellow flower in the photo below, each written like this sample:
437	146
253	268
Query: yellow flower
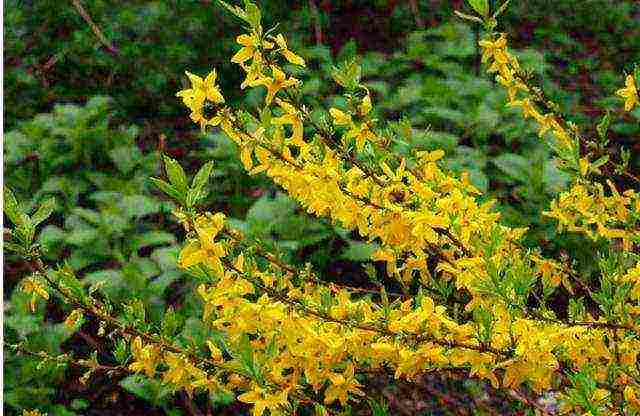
342	385
146	357
201	92
250	48
205	250
433	156
361	134
340	118
629	93
292	118
290	56
275	84
494	49
216	354
262	400
201	89
32	286
365	106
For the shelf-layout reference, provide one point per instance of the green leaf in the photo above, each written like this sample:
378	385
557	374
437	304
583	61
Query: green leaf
82	236
137	206
603	126
348	74
516	166
121	352
170	323
151	238
553	178
150	390
25	229
235	10
12	209
44	211
253	14
125	158
79	404
168	189
176	175
480	6
198	188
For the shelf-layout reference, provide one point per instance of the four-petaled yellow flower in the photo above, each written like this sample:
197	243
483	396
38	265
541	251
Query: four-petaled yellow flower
262	400
629	93
146	357
202	91
250	48
342	385
495	49
205	250
275	84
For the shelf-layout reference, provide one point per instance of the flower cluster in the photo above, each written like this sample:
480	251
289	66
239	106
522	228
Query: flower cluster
474	300
430	226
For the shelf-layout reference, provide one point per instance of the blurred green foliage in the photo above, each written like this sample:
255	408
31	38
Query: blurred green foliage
95	155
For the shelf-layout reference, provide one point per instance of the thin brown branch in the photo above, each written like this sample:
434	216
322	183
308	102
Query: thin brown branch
94	27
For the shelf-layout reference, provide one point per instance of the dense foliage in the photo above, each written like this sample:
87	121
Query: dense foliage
83	173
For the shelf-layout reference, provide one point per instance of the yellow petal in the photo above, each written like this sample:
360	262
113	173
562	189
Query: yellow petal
196	81
245	40
242	55
340	118
293	58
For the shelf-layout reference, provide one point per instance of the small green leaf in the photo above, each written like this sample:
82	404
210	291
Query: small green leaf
121	352
170	322
151	238
125	158
79	404
11	207
235	10
348	74
44	211
25	230
176	175
168	189
603	126
253	14
198	186
480	6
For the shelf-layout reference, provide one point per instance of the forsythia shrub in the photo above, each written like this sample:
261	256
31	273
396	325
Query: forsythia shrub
473	299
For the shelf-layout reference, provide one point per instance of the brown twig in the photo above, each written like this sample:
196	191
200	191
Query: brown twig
96	30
